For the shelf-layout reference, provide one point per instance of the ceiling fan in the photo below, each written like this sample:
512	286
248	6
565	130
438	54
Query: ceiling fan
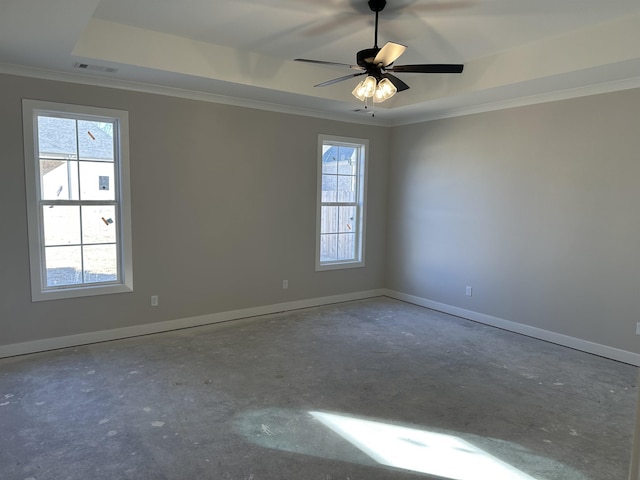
377	62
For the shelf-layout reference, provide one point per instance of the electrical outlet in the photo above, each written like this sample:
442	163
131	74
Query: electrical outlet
638	328
154	300
468	292
285	284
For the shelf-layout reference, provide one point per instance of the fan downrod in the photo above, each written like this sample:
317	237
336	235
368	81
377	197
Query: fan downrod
366	56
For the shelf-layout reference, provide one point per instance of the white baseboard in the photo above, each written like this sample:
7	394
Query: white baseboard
146	329
553	337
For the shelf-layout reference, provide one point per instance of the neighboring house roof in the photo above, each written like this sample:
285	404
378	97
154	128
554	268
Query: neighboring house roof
335	151
57	138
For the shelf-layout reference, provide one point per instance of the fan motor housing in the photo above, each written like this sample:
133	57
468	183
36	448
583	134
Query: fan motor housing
365	57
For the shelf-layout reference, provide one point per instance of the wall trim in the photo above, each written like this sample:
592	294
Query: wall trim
56	343
393	120
169	325
539	333
522	101
140	87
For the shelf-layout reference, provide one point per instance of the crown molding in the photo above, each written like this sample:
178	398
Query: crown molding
84	79
406	119
564	94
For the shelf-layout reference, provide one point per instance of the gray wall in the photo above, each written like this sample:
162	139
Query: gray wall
536	208
223	206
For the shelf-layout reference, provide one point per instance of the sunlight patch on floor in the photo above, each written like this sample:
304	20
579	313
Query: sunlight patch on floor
446	456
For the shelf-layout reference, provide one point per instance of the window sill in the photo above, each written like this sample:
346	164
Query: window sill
338	266
83	291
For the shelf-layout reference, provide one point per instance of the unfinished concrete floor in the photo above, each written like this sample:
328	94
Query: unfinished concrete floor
374	389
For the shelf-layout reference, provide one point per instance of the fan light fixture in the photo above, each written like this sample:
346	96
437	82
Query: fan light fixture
377	64
371	88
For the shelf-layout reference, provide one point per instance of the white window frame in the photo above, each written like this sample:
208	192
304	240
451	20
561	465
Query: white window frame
360	203
39	290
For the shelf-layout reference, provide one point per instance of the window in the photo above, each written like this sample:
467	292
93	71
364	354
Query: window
77	182
341	202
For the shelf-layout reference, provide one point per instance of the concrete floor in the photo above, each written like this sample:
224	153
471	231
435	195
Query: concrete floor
374	389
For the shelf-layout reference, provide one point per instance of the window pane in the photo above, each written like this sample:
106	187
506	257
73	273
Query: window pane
329	220
346	188
57	138
59	180
328	248
329	187
99	224
80	219
61	225
95	140
100	263
96	181
347	160
346	246
346	219
329	159
64	266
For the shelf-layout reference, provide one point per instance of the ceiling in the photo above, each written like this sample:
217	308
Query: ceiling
242	51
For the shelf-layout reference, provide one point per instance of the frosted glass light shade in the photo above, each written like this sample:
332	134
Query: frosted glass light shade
384	90
369	86
358	92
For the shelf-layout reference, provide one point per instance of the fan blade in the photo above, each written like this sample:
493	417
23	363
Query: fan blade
399	84
389	54
339	79
432	68
322	62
